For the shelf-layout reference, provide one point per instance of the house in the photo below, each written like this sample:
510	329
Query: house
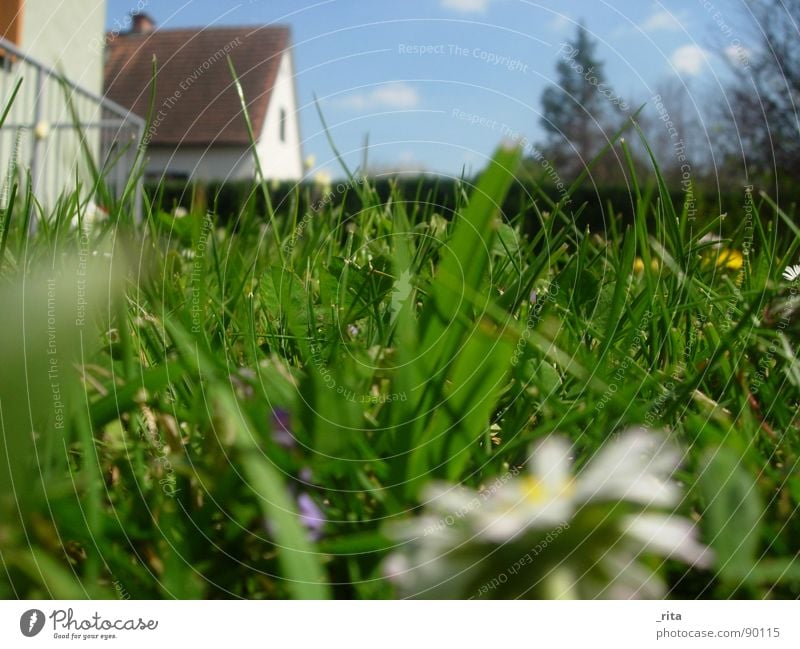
198	129
62	35
59	117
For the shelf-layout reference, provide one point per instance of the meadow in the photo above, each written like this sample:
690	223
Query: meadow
399	400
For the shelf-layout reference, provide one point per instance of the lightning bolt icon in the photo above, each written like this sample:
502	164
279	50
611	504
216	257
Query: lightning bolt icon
32	621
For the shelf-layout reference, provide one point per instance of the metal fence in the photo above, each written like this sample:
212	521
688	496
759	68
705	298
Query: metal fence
54	126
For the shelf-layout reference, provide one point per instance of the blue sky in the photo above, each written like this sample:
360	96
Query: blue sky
490	60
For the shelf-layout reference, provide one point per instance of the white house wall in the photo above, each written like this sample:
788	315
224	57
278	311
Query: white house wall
282	160
67	36
199	163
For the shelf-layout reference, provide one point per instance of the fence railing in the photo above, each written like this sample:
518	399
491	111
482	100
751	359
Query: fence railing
54	124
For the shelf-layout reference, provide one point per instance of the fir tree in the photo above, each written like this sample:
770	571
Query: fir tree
574	109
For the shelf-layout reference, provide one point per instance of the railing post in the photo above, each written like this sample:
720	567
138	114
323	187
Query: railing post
38	167
138	194
38	100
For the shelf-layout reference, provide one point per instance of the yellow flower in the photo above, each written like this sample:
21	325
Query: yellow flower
729	259
638	265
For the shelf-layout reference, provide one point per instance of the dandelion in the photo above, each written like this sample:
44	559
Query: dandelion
310	161
550	533
722	257
792	273
732	259
638	265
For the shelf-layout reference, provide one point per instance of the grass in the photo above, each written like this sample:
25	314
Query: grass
152	371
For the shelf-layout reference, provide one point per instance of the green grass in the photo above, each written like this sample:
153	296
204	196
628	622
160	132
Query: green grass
403	346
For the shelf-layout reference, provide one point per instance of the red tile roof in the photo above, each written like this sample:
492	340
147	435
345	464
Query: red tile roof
196	102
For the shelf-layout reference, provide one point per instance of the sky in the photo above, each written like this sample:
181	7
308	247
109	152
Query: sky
436	85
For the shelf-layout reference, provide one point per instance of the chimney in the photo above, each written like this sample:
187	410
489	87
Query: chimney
142	23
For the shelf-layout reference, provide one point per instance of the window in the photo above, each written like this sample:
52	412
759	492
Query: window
282	126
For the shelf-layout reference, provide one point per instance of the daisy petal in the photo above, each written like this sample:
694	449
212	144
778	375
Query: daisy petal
551	464
636	467
670	536
791	273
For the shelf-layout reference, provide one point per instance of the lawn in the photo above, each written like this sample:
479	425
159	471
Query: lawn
399	401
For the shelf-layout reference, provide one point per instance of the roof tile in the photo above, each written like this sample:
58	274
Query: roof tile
196	97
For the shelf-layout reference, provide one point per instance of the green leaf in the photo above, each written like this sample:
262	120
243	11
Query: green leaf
732	513
620	289
507	243
460	380
301	564
772	571
284	297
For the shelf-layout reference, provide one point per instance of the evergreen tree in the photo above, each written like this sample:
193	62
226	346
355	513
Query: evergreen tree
574	109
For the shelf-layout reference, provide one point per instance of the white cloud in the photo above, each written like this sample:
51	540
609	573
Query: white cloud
395	94
466	6
559	23
662	21
689	59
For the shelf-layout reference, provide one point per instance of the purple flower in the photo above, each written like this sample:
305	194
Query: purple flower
282	429
534	297
310	515
352	330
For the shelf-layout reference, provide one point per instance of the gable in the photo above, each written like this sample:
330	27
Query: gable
196	100
279	146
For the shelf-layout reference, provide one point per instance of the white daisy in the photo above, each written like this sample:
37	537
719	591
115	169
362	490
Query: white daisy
792	273
92	215
550	533
322	179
